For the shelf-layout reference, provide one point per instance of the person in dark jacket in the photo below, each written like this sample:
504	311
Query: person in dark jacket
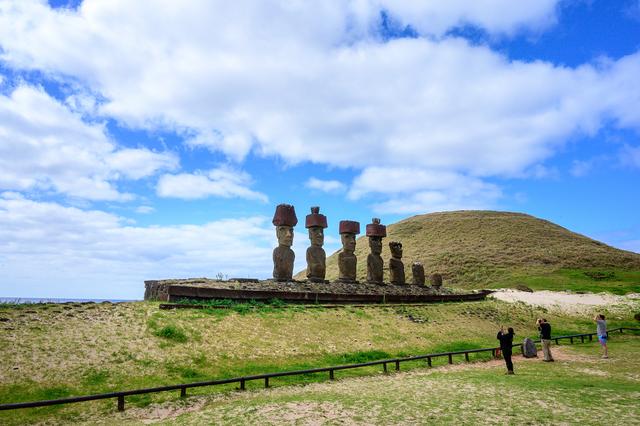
545	338
506	345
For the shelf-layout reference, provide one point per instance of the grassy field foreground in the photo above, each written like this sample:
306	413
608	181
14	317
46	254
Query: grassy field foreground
52	351
579	388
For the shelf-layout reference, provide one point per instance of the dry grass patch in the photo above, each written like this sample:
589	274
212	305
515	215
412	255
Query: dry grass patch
103	347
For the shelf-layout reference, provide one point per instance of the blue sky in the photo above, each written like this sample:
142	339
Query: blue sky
146	140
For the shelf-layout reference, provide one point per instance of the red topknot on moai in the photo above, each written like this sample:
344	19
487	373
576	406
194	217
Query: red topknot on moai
284	220
316	257
375	232
347	261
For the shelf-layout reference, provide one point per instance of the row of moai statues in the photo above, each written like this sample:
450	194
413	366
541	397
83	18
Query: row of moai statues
283	257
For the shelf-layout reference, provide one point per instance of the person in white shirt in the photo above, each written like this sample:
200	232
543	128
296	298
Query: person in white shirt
601	325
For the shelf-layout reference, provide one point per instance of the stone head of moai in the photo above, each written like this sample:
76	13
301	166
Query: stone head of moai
375	232
347	261
436	280
315	223
316	257
417	270
348	231
396	249
396	267
284	220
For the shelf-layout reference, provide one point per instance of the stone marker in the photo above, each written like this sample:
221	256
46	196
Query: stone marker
316	257
436	280
376	232
284	220
396	267
529	349
417	271
347	260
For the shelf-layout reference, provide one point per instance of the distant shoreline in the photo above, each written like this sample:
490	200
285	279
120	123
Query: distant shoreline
27	300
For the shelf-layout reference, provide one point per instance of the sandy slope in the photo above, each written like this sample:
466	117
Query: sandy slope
566	301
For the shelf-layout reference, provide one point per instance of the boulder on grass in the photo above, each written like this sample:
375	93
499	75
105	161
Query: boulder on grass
529	349
523	287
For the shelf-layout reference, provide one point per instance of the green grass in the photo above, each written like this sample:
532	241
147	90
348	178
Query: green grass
106	348
171	332
614	281
579	388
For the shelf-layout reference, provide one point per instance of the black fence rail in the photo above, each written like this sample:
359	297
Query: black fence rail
394	362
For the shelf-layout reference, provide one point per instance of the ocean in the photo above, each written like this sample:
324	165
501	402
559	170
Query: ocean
57	300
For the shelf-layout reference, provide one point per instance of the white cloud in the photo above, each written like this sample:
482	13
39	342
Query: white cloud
494	16
45	146
318	85
139	163
46	248
630	156
221	182
422	191
480	197
404	180
580	168
145	209
325	185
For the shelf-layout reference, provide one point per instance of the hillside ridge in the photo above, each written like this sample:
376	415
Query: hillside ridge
481	247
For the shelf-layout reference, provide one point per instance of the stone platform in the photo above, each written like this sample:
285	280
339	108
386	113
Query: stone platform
300	292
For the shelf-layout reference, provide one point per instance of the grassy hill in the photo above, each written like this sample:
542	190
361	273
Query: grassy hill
499	249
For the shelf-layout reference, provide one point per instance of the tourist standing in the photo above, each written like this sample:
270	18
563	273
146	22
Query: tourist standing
506	345
545	338
601	329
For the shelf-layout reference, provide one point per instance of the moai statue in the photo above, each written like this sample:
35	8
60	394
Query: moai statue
418	273
284	220
316	257
436	280
347	260
376	232
396	267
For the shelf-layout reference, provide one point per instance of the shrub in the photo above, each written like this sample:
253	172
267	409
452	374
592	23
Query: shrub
171	332
600	275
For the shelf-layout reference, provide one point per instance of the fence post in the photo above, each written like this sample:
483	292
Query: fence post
242	387
429	361
581	339
397	365
450	359
266	382
591	337
183	392
120	402
330	374
466	356
384	367
493	352
557	342
571	339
